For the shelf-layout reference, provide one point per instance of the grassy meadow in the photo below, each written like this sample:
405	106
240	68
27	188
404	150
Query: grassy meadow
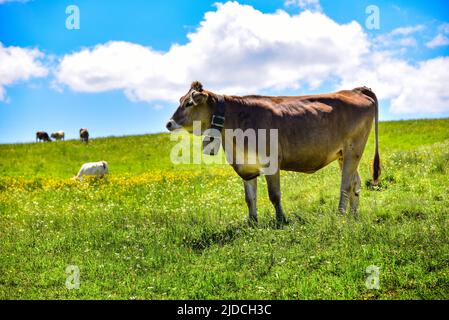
155	230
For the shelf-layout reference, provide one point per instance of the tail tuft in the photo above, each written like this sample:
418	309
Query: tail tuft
376	162
376	169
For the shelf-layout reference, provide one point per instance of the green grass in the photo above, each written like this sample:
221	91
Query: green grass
153	230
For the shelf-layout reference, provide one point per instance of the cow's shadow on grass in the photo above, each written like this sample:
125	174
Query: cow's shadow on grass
208	238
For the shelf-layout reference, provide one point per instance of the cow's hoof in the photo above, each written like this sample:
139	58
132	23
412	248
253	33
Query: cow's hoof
355	213
281	221
252	222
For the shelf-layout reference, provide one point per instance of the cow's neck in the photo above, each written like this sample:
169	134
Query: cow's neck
218	117
217	123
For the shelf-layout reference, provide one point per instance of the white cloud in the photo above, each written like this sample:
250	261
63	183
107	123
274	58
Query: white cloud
144	74
438	41
19	64
424	89
398	39
313	5
158	107
408	42
238	49
441	39
404	31
420	88
444	28
6	1
235	49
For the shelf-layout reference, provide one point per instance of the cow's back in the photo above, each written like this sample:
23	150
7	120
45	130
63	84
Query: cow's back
313	129
318	127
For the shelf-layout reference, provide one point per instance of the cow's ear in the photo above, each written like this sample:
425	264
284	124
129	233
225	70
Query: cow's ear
199	96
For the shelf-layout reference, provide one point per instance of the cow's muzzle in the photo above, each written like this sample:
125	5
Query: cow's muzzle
172	125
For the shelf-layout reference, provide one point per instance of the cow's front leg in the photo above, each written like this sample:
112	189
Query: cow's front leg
251	199
274	192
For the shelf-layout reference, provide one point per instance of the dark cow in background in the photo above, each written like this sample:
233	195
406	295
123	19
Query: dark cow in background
42	136
84	135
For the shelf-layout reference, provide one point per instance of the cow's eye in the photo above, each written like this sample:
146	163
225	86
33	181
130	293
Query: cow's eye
189	104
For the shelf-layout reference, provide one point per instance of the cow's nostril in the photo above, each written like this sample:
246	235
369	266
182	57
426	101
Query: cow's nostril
169	125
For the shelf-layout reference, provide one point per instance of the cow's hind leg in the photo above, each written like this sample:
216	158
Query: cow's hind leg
356	186
350	179
274	192
251	199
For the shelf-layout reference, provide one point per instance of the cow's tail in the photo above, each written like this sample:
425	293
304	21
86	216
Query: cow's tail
376	162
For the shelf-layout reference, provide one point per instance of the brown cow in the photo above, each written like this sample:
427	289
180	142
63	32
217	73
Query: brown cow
42	136
313	131
84	135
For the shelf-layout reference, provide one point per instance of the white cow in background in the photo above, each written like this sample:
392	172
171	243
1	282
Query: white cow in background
58	135
97	169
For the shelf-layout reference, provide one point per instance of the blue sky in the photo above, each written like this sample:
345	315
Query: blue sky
137	38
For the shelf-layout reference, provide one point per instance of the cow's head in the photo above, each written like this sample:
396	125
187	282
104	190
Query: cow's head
193	106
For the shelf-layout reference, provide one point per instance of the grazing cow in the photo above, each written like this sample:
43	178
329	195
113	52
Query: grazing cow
58	135
42	136
313	131
84	135
98	169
